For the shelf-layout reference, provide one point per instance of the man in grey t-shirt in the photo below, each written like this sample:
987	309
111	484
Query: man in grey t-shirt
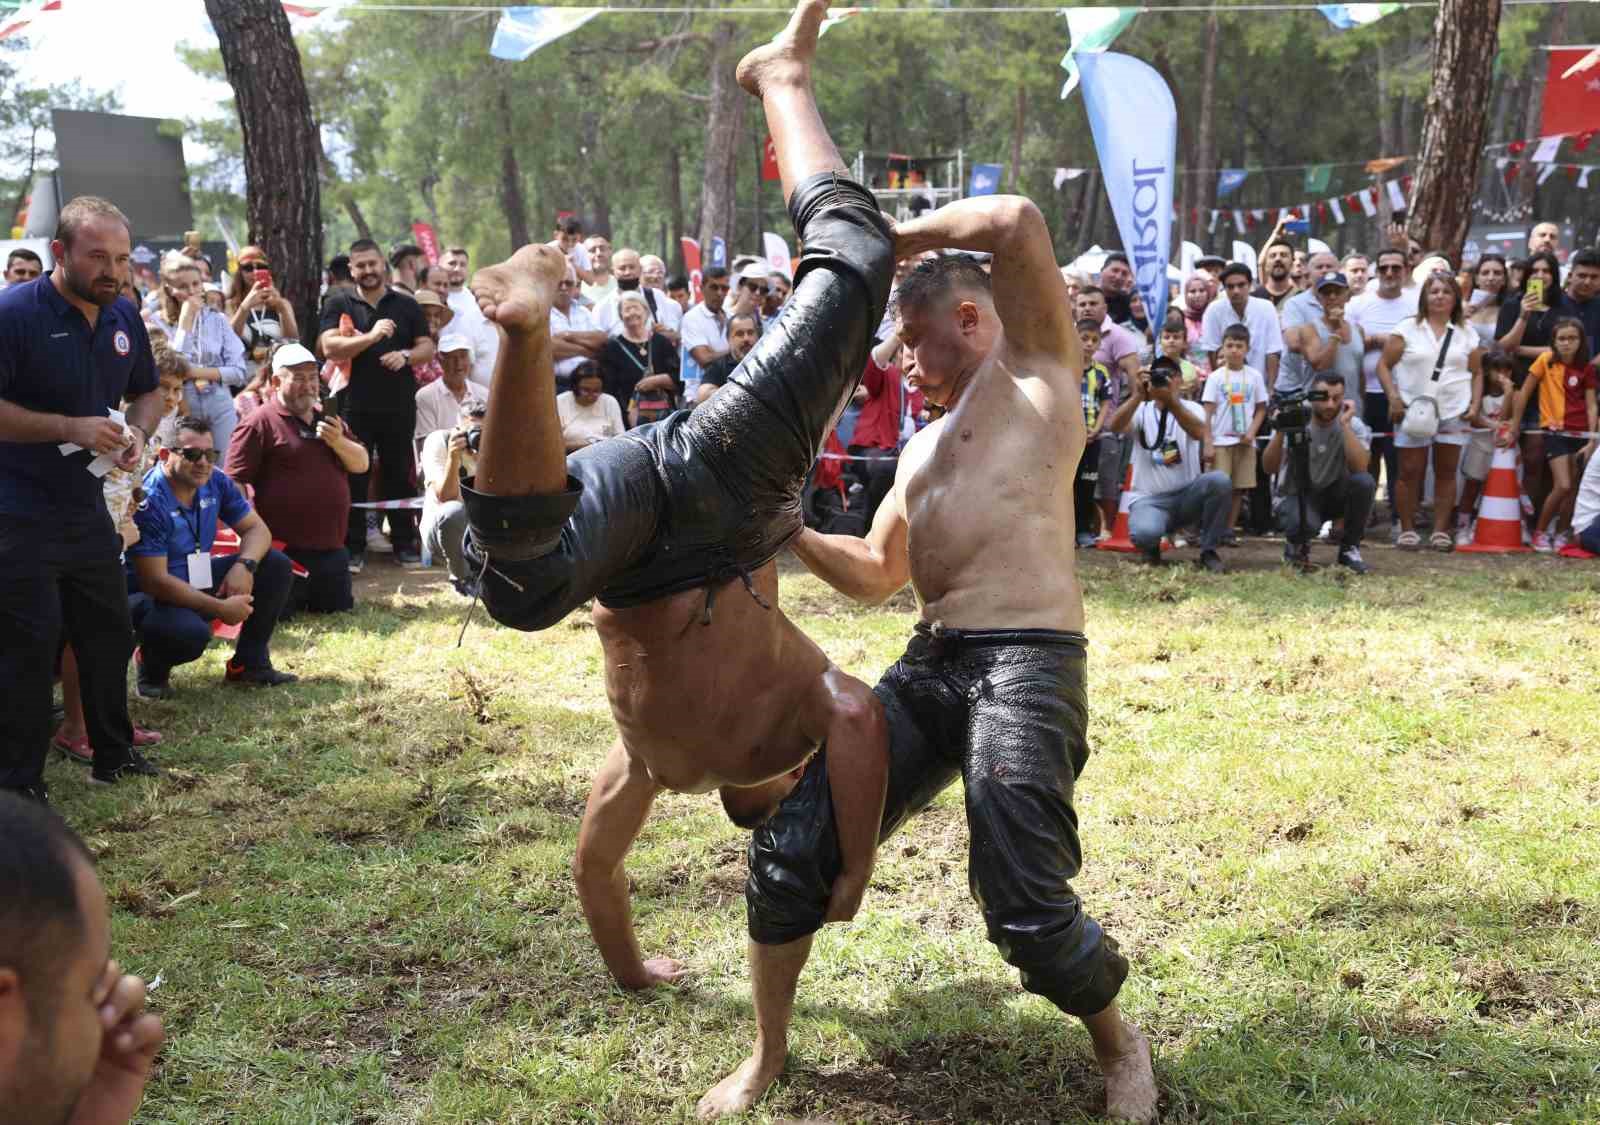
1317	336
1337	450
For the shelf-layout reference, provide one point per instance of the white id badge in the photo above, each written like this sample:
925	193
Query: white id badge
200	570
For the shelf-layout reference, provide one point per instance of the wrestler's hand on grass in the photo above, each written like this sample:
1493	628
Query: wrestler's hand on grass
845	900
657	970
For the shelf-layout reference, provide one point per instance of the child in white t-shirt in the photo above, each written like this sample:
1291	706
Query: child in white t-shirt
1235	400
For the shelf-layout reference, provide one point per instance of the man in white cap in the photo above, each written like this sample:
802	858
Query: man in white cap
440	401
299	464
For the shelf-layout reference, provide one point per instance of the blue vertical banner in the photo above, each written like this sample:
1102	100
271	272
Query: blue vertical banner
719	254
986	179
1135	125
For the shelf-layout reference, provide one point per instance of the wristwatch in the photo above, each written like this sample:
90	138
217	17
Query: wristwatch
248	564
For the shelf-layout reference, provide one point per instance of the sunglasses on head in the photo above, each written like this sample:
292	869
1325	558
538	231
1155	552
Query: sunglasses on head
194	456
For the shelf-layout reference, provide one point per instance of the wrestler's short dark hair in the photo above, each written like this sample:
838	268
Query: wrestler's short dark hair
41	919
936	277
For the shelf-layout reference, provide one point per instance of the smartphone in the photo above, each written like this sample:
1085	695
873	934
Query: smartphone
263	279
1536	287
1399	216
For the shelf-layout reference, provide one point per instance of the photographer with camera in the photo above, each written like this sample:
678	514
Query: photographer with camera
1171	448
1318	455
448	457
299	464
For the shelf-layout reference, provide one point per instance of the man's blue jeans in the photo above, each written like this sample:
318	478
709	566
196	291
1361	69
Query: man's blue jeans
1204	500
170	635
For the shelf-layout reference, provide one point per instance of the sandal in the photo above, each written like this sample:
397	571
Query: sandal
1442	541
1408	541
75	749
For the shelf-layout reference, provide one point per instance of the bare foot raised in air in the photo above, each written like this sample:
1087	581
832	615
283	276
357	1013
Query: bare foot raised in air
741	1089
1130	1081
517	293
787	59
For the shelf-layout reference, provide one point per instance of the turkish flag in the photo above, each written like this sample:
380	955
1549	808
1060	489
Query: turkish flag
769	161
1571	105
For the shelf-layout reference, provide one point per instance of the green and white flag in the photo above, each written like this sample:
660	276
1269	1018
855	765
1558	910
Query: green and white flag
1090	29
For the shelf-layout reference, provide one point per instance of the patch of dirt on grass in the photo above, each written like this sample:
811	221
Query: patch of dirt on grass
1503	990
953	1078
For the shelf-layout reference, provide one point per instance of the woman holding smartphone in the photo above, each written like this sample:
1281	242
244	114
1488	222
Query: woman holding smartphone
1523	332
258	313
204	337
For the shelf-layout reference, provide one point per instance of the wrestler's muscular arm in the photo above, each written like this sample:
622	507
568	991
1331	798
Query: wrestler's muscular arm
869	570
619	803
1030	296
841	712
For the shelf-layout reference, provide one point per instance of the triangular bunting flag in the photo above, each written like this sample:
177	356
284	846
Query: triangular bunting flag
1369	202
1238	220
1546	171
1338	211
1397	198
1546	152
19	19
1583	180
1090	29
1347	16
1317	177
835	18
522	31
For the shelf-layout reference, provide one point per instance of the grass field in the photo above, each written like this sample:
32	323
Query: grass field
1346	833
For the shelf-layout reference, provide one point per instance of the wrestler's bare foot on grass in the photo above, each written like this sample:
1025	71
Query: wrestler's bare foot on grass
787	59
517	293
743	1088
1130	1081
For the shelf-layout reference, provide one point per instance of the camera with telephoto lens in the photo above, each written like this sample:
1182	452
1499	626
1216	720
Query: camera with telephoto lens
474	438
1291	410
1163	370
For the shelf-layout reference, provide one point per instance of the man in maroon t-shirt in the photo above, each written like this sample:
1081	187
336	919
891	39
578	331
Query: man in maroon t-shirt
299	466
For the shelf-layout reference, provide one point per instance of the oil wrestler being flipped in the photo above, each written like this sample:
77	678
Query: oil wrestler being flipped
991	688
674	527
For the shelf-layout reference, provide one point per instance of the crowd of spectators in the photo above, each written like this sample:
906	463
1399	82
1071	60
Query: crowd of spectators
1433	366
275	468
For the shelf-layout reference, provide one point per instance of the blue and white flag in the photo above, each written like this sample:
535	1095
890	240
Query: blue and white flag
1229	179
986	179
1347	16
522	31
719	253
1135	125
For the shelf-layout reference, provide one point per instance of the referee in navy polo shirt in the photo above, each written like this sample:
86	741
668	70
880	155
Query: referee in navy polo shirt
71	350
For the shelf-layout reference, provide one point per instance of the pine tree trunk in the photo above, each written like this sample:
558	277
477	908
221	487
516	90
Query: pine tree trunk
1018	127
512	201
673	251
1206	132
1465	39
724	118
282	149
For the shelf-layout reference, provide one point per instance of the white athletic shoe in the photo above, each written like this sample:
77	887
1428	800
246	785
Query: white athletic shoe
378	541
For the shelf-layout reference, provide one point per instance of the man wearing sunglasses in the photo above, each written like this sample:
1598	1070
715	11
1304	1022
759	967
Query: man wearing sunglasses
183	585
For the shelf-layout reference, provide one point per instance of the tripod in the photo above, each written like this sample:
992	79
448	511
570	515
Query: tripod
1297	447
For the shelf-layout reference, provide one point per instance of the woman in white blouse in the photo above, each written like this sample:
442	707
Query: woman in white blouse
1433	355
203	336
587	413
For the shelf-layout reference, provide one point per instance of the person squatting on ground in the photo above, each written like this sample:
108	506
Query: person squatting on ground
992	685
674	528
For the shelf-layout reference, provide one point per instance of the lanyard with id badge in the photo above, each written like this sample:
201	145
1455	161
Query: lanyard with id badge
199	561
1165	451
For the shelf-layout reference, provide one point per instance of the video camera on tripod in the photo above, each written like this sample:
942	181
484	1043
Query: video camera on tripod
1291	410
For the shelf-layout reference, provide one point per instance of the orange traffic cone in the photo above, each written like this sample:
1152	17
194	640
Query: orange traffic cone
1499	527
1118	540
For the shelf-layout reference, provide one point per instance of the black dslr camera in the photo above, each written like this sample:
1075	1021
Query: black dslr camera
1162	371
1291	410
474	438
